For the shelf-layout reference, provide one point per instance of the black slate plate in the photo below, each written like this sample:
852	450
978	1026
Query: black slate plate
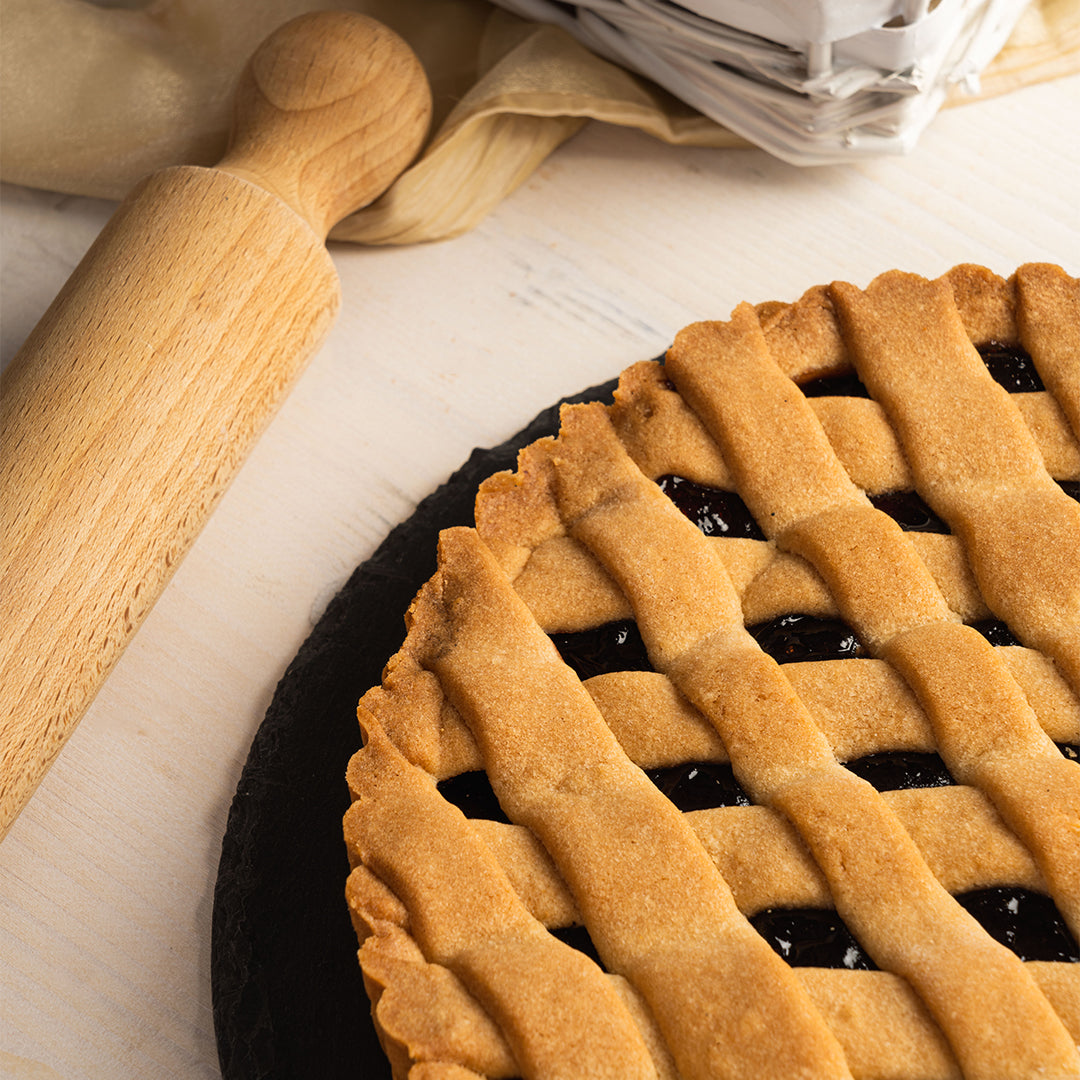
288	998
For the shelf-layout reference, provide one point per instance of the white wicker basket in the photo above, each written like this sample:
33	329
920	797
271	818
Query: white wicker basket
812	81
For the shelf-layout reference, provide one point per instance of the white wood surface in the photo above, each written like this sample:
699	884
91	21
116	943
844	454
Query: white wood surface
106	879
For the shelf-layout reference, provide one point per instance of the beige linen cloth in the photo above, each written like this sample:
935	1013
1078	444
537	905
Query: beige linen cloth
95	95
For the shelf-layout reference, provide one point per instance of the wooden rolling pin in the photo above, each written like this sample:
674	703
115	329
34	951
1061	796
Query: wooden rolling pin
139	394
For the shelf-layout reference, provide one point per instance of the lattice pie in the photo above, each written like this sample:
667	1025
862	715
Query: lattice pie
739	738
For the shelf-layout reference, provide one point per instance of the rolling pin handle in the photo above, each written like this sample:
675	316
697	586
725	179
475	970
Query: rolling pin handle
330	109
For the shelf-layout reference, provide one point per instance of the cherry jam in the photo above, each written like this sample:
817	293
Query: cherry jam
909	511
615	646
797	638
847	385
1011	366
714	512
699	785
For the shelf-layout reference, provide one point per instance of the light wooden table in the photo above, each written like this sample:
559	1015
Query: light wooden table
106	879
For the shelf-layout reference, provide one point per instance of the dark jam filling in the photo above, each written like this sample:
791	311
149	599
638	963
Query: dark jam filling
1011	366
577	937
848	385
898	771
713	511
471	793
1024	921
723	513
615	646
1071	488
996	632
795	638
699	785
908	510
811	937
705	785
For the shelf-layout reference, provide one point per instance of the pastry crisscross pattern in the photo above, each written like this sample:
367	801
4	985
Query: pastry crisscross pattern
454	914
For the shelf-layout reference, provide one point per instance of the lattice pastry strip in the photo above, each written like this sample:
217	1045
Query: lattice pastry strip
955	828
478	684
657	727
663	435
766	865
1049	327
768	582
882	1026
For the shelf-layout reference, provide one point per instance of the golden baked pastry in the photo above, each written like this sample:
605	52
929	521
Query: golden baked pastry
816	415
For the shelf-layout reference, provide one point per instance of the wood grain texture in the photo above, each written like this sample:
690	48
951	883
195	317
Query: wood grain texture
139	394
328	113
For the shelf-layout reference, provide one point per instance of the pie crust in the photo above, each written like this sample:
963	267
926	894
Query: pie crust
453	913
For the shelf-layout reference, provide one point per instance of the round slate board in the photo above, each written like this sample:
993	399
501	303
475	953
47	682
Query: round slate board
289	1000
